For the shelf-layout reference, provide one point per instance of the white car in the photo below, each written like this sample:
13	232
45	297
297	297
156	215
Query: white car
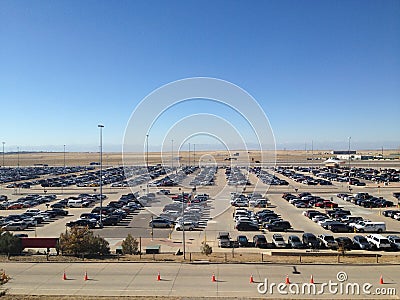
278	241
187	226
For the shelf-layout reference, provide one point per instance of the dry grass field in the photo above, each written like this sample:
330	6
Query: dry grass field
115	159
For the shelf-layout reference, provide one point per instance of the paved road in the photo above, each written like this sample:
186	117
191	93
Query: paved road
232	280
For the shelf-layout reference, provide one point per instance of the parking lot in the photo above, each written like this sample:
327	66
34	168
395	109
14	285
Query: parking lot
208	217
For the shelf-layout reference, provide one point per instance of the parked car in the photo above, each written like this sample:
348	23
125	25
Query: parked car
327	241
394	240
378	242
242	240
339	227
310	240
278	226
82	222
370	227
360	242
160	223
247	226
17	226
260	241
295	242
344	242
224	240
278	241
186	225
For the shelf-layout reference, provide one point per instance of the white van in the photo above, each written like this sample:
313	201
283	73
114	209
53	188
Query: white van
370	227
378	241
74	203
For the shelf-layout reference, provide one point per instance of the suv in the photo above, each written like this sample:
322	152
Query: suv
224	240
278	226
242	240
260	241
327	241
339	227
295	242
310	240
378	241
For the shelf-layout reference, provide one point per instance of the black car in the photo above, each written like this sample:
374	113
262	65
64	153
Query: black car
246	226
310	240
295	242
339	227
360	242
344	242
278	226
260	241
111	220
242	240
82	223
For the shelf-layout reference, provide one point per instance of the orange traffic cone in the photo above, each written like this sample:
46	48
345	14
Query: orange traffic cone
381	280
213	278
64	276
85	277
251	279
287	281
158	276
312	279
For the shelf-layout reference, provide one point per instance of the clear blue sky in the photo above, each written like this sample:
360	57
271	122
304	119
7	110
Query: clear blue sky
321	70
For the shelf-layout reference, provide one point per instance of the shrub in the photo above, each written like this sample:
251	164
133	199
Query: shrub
130	245
81	240
205	248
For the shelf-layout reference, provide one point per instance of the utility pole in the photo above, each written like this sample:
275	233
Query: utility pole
189	154
172	155
3	154
101	173
349	156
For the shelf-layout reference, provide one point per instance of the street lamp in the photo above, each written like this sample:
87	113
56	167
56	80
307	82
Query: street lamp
3	154
101	173
183	226
172	155
349	156
64	159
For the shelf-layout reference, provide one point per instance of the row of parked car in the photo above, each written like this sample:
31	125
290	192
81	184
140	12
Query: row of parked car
266	177
174	179
309	240
249	200
29	173
301	178
30	218
109	215
184	215
234	176
306	200
27	201
205	177
366	200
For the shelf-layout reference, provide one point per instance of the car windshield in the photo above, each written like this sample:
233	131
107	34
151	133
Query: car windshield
279	239
295	239
329	239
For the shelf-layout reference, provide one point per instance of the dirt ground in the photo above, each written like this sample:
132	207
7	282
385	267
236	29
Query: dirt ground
115	159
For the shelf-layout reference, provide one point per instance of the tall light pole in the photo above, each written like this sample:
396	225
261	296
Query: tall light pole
64	159
101	173
172	155
18	158
349	156
194	154
147	152
189	154
3	154
183	226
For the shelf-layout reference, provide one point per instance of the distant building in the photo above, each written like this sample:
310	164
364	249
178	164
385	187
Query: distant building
343	152
354	157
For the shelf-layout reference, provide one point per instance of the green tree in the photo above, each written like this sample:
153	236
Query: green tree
81	240
130	245
10	244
